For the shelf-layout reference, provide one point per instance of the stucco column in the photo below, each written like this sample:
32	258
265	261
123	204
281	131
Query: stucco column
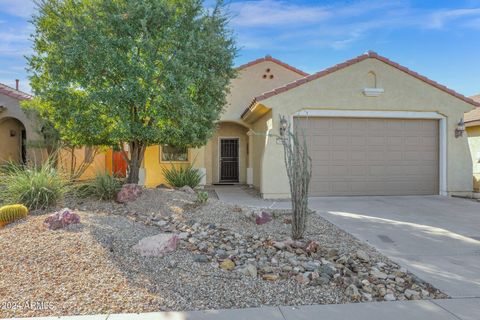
250	158
198	162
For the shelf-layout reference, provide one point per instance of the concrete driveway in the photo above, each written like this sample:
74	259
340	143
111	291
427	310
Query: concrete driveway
437	238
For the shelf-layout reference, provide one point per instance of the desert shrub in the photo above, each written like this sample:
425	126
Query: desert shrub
12	213
36	188
105	187
183	176
202	196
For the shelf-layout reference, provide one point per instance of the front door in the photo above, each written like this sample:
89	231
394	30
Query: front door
229	165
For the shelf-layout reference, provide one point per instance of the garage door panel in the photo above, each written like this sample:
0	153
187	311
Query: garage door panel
372	156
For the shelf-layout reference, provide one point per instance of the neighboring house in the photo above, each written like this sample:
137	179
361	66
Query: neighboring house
472	124
373	128
16	128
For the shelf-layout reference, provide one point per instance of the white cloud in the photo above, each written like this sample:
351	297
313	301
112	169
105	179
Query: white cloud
275	13
440	18
18	8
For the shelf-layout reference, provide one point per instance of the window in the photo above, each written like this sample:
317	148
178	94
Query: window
172	153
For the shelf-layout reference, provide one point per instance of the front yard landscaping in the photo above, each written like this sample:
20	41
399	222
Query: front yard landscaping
223	259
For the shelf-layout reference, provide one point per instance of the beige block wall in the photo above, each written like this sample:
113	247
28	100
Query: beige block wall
474	144
226	130
342	90
97	166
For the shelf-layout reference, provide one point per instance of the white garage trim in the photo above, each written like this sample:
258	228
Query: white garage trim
395	115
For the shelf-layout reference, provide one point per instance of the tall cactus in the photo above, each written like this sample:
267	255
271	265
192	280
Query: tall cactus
12	213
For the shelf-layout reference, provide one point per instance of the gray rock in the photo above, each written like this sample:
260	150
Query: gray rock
362	255
200	258
378	274
352	292
390	297
412	294
249	270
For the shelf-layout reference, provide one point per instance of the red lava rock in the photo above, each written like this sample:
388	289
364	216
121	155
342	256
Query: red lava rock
263	218
129	192
312	246
61	219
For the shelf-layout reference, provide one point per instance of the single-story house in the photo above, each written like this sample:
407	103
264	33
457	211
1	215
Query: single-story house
373	127
472	124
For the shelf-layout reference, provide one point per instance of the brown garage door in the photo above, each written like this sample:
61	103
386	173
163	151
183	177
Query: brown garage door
356	156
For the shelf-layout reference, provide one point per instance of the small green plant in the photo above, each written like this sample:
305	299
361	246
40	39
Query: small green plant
202	196
12	213
36	187
183	176
104	187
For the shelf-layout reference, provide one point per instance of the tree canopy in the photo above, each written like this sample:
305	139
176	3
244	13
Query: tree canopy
143	72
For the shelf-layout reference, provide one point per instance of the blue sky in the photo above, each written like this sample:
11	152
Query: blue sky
437	38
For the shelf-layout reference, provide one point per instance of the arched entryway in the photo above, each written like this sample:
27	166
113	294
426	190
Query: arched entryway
13	139
228	149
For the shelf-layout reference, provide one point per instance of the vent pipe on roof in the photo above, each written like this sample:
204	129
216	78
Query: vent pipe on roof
17	82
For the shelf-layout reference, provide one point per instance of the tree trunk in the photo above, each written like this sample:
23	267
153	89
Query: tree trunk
137	151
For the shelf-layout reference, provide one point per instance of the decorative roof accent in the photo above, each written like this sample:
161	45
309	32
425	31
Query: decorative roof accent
271	59
369	54
13	93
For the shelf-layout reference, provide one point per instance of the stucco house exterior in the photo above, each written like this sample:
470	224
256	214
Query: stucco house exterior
373	127
472	125
16	128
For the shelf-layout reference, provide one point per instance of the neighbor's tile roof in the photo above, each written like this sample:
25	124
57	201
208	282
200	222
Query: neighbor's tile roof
350	62
11	92
473	115
271	59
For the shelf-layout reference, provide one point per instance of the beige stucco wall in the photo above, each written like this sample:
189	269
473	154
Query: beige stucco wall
342	90
13	110
474	143
10	146
261	131
226	130
250	83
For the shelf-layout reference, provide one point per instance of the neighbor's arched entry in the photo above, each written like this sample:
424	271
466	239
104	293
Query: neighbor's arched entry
13	139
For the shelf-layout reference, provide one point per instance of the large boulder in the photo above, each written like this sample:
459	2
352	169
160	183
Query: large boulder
61	219
129	192
156	246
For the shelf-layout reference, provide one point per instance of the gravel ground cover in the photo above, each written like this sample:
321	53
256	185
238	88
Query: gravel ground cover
224	260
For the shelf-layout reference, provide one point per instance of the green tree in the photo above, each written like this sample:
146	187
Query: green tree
141	72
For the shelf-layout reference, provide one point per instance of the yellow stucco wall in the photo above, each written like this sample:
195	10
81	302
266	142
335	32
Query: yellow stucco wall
474	143
153	166
342	90
97	166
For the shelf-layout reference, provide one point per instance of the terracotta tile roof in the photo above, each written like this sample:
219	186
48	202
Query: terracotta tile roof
271	59
350	62
473	115
13	93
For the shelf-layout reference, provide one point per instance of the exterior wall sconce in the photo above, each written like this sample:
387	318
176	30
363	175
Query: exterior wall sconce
13	133
460	129
283	126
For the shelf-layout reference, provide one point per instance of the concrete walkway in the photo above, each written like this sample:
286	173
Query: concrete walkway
458	309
